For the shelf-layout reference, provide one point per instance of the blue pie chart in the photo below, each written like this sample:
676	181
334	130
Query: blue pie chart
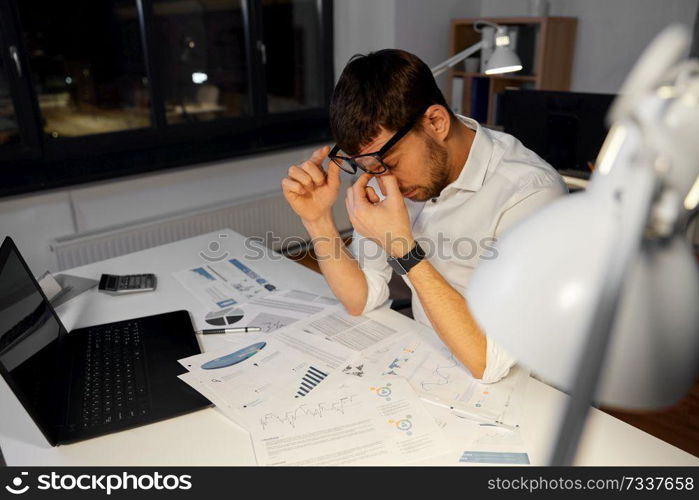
235	357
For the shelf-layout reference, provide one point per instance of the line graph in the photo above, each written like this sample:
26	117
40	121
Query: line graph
305	411
439	368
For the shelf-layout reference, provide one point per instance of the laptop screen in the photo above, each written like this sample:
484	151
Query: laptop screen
29	334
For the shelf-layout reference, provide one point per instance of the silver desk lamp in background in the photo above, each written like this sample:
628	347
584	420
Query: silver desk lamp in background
598	292
502	60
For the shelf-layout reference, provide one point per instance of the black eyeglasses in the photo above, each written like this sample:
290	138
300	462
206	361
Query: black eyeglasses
372	163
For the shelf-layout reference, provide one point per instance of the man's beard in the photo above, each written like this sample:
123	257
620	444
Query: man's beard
437	170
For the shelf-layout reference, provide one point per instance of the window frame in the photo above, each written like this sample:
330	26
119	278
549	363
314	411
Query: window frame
29	145
52	163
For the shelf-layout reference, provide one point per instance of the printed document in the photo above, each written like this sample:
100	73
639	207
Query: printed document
361	422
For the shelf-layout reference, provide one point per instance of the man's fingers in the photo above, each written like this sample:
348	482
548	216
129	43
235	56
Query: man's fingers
319	155
349	200
371	194
362	181
359	190
315	172
333	175
291	186
382	188
301	176
390	186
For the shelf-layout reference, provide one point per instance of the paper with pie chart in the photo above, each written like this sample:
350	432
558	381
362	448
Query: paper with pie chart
254	367
377	422
270	312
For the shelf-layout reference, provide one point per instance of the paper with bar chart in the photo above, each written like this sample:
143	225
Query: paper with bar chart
358	422
219	285
257	366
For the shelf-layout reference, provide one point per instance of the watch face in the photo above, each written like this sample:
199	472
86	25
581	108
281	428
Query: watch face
396	266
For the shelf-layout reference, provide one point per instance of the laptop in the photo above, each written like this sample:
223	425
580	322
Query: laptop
95	380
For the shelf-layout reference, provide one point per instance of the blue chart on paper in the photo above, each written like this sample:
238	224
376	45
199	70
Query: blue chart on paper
252	274
234	357
204	273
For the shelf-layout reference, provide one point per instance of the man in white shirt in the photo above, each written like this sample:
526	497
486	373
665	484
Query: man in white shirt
447	189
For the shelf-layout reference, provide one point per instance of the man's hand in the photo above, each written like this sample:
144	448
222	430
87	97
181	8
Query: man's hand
385	222
309	190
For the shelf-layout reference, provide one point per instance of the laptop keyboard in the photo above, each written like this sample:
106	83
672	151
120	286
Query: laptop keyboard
114	382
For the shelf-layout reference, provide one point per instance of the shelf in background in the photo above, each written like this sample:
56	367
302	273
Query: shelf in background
545	45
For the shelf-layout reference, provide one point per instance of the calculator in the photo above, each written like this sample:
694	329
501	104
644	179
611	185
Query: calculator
130	283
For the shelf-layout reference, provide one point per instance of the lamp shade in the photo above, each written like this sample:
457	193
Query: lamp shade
503	60
537	298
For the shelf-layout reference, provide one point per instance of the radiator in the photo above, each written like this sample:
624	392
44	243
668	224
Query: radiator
261	216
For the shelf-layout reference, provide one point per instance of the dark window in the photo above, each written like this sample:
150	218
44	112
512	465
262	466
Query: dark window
98	89
201	58
293	70
87	66
9	128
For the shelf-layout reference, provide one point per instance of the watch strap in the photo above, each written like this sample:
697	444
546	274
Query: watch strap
401	265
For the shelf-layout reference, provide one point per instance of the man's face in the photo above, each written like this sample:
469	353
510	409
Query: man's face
418	162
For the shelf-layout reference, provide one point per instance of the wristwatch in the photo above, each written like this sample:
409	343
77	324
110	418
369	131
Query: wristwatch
401	265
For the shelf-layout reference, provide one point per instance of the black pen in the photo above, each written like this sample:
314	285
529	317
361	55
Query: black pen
242	329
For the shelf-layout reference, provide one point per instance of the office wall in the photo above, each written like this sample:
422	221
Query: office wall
34	220
418	26
611	33
362	26
422	27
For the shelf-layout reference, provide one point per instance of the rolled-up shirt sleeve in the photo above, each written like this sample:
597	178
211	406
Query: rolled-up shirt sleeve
497	362
372	261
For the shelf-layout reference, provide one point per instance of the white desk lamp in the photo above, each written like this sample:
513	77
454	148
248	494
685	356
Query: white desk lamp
502	60
598	292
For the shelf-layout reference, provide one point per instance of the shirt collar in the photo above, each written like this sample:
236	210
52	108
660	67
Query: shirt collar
473	173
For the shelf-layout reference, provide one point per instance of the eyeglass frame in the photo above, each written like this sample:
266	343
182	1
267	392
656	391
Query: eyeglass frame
376	154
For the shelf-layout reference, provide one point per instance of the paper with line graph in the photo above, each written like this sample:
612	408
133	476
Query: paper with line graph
439	378
352	422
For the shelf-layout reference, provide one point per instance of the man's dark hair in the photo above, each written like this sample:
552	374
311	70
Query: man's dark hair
382	89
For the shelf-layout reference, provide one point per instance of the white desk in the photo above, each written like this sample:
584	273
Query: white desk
206	437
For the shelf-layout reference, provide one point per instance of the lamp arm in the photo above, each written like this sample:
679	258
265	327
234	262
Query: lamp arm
632	203
479	25
656	122
443	66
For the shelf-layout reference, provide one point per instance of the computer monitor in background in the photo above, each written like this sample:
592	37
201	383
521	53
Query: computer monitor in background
566	129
